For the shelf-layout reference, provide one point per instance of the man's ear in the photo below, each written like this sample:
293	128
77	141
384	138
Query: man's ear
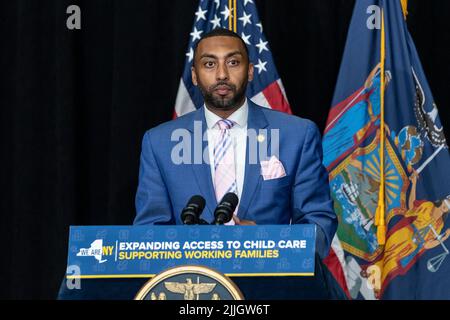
250	72
194	76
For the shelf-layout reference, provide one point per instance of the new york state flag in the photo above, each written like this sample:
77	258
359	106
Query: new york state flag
388	163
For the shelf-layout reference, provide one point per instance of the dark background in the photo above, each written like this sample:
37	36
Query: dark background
74	106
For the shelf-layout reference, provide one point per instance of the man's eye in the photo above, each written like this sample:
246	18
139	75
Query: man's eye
233	62
209	64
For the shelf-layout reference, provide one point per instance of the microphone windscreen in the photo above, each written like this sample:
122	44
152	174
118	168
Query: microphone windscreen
232	199
198	201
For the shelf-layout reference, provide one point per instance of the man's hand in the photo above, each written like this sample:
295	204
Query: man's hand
240	222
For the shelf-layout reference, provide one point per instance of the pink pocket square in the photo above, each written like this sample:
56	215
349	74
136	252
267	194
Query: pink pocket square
272	169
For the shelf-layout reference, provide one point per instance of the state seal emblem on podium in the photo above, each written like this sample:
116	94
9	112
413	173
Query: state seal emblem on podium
189	283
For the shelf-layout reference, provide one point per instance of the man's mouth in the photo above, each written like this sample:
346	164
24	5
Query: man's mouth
222	90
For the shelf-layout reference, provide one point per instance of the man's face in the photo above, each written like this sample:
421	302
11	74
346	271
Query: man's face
222	71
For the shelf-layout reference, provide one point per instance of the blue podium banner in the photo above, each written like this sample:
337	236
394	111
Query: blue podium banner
144	251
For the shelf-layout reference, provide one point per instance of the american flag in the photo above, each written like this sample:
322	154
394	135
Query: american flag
266	88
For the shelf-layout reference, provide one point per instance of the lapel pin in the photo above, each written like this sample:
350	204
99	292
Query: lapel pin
260	138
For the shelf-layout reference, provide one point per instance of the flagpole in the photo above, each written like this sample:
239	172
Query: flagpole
380	213
230	6
235	16
381	209
232	19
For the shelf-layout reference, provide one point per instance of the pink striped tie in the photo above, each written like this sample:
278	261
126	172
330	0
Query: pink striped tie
224	167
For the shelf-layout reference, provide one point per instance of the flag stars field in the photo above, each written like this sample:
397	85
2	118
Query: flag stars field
262	45
226	13
190	54
215	22
200	14
261	66
196	34
245	38
245	19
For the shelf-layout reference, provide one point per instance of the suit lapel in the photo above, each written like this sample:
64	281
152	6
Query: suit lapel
256	121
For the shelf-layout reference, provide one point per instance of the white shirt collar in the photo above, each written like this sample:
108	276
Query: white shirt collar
240	116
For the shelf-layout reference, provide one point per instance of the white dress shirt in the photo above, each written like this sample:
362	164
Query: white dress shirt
238	135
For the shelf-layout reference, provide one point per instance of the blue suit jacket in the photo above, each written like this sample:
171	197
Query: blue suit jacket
302	196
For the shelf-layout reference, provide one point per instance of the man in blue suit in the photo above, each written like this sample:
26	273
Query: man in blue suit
271	160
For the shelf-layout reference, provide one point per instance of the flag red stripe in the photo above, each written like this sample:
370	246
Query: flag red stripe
276	99
335	267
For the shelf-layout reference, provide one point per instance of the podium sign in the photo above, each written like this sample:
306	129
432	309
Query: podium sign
144	251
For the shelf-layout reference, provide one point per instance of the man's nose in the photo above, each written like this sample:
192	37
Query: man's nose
222	72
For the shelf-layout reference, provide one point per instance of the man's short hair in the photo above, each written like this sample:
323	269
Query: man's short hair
221	32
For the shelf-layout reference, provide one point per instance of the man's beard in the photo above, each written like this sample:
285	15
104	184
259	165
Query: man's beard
223	103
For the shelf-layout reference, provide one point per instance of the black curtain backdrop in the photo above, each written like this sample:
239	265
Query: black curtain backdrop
76	103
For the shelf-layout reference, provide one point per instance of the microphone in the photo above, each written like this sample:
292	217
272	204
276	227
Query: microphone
225	209
191	213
